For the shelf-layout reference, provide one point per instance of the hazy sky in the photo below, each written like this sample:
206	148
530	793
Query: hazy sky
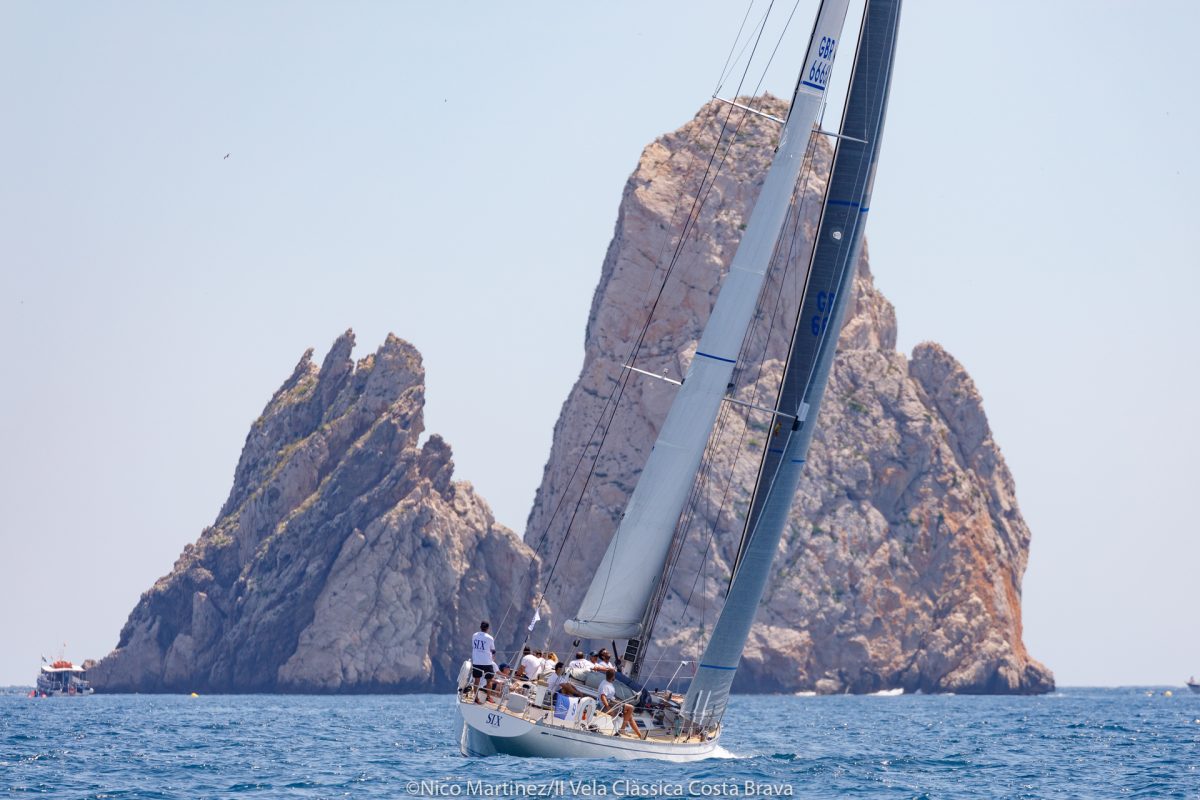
451	172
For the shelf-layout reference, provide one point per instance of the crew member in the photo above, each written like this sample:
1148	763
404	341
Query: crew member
608	701
483	657
531	666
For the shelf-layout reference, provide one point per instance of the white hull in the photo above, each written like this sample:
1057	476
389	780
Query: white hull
61	693
62	679
488	731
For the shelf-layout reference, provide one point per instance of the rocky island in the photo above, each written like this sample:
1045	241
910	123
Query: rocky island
339	561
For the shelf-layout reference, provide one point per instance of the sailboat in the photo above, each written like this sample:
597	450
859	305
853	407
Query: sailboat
630	581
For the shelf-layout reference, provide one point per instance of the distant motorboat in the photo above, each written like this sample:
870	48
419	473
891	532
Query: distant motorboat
1195	687
62	679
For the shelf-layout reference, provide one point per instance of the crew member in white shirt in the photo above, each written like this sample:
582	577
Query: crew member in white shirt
483	657
603	662
531	666
559	683
608	703
607	692
580	662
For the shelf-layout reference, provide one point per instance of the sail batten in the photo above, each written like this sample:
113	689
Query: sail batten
628	575
827	288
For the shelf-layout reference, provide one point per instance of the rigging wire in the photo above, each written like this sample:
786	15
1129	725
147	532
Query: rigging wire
689	226
693	221
800	192
797	218
796	238
834	280
732	47
730	63
787	23
787	262
621	383
691	155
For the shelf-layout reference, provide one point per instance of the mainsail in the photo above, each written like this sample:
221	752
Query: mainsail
827	289
625	581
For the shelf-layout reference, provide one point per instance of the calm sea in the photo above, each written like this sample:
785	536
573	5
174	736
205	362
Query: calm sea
1077	743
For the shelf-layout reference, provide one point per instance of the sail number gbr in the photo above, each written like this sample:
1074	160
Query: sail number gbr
820	321
818	71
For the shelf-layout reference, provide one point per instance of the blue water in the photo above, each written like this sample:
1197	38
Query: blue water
1078	743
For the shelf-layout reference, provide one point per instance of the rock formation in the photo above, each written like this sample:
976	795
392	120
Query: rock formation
903	561
345	559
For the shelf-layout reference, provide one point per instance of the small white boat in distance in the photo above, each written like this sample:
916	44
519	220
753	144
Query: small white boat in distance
62	678
888	692
1191	684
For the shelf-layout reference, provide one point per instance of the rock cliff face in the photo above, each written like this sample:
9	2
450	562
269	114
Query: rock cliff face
345	559
902	565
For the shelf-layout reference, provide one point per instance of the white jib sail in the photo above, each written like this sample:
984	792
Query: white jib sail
623	583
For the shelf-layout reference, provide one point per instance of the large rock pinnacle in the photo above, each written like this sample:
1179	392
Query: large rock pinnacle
902	564
345	559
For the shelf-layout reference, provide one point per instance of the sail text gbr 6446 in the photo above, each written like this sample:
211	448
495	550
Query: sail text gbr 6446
525	719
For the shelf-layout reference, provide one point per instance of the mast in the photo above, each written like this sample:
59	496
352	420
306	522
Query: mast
827	289
624	584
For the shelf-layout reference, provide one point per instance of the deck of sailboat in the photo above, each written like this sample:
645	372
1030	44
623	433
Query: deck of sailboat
652	727
545	716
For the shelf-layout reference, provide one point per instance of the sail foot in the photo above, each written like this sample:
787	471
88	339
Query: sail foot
625	581
596	629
